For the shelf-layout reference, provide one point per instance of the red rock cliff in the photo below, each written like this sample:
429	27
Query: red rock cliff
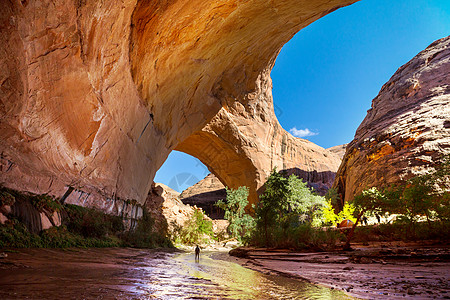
407	130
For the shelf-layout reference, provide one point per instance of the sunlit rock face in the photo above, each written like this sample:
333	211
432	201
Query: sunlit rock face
95	94
205	194
407	129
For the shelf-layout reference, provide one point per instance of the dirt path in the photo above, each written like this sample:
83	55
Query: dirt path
379	271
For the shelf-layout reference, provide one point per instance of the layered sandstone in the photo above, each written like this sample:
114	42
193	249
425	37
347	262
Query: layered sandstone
338	150
95	94
407	130
205	194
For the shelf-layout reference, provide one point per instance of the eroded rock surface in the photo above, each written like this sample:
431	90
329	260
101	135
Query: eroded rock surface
244	142
338	150
407	130
95	95
205	194
166	209
169	212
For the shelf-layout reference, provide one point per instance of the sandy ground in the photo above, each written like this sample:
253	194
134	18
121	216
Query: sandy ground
379	271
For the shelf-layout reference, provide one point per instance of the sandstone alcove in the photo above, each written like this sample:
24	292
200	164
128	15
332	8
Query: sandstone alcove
101	93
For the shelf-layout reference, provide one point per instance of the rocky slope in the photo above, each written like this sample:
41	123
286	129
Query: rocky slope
94	95
169	212
407	129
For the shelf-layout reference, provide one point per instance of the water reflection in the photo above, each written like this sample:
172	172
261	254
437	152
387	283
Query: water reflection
213	278
142	274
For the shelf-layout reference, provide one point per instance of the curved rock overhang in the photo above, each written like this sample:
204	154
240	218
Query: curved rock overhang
96	94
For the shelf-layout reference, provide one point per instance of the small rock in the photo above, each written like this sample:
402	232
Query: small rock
348	268
365	260
3	255
410	291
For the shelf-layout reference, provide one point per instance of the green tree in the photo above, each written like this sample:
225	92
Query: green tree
195	230
285	204
302	201
271	203
333	196
369	201
241	223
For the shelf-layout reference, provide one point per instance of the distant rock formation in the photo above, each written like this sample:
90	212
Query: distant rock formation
338	150
168	212
95	95
205	194
244	142
209	190
407	129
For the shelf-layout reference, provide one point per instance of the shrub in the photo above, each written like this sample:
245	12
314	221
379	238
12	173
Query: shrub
241	224
6	198
143	235
90	222
45	202
198	229
286	205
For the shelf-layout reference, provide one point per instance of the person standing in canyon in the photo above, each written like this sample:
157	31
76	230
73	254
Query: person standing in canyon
197	253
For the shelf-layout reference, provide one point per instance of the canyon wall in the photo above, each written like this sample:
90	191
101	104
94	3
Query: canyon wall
407	130
95	94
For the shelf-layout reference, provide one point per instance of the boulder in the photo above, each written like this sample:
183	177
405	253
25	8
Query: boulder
45	222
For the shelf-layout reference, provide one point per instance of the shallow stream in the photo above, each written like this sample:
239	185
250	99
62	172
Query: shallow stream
142	274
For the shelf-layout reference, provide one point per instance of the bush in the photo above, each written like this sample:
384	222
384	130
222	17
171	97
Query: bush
90	222
6	198
45	202
143	235
16	235
241	224
197	230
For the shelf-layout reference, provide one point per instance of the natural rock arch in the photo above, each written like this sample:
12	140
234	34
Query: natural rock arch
242	144
95	95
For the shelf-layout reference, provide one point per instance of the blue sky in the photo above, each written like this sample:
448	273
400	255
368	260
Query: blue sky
325	78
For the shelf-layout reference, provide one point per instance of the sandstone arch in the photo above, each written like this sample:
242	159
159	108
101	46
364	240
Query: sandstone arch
95	94
242	144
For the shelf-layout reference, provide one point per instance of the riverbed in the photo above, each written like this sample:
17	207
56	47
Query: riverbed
125	273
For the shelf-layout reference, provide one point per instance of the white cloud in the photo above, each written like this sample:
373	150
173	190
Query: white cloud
301	133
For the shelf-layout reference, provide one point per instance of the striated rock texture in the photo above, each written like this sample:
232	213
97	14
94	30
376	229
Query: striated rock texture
338	150
407	129
95	94
205	194
166	209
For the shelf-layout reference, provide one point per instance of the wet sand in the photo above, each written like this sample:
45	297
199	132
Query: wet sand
379	271
124	273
